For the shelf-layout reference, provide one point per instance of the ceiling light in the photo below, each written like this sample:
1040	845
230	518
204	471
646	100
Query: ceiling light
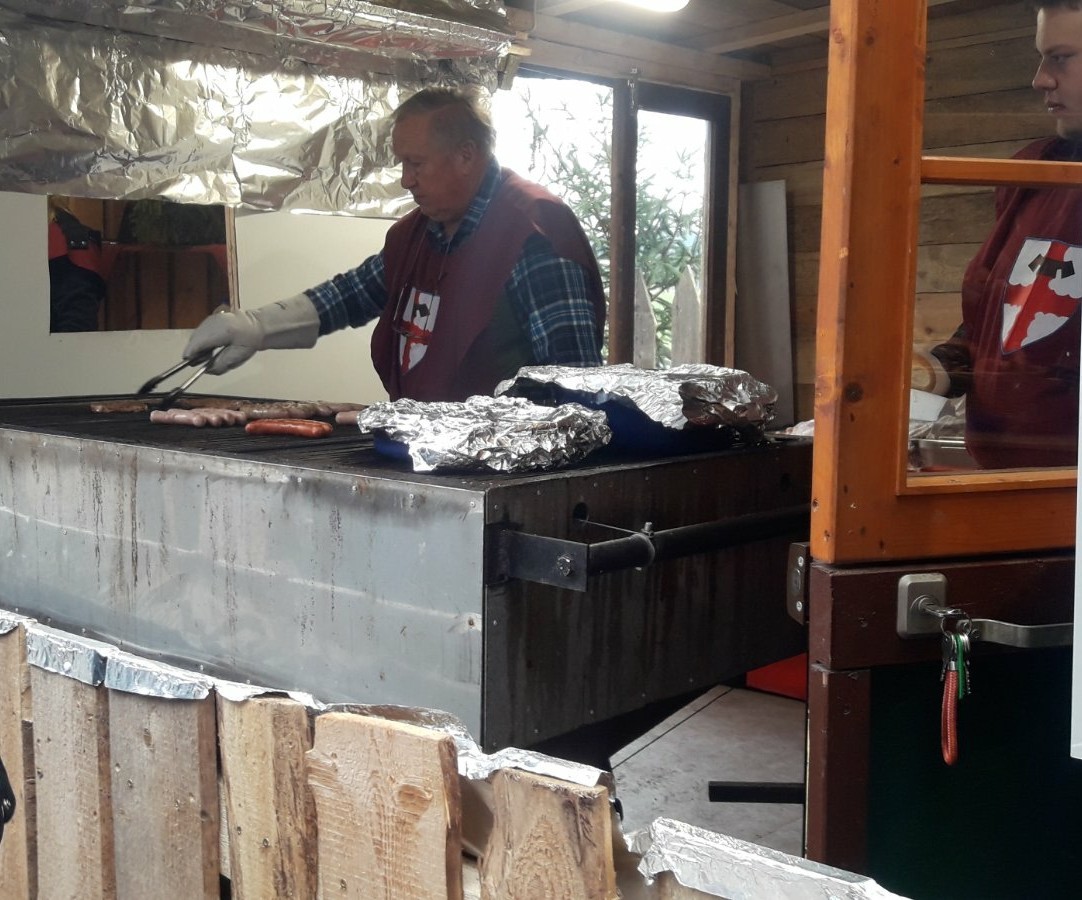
658	6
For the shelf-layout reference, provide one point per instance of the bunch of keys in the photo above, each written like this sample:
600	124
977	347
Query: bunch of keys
956	684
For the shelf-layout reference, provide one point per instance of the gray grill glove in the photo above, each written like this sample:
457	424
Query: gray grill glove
291	323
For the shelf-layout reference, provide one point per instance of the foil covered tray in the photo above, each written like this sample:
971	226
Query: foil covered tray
502	434
685	409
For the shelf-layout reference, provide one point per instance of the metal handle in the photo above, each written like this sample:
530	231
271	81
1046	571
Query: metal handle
922	610
1010	634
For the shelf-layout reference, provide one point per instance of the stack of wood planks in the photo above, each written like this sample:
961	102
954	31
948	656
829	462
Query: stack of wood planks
206	789
132	796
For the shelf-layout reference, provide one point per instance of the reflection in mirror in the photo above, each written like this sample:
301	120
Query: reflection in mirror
996	321
117	265
980	98
994	363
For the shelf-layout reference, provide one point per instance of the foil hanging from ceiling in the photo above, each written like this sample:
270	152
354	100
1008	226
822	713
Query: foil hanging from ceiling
288	123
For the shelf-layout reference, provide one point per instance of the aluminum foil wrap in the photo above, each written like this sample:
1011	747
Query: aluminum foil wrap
693	394
242	116
351	31
502	434
75	656
723	866
9	621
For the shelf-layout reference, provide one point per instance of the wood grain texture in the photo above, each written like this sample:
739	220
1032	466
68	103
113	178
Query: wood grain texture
669	888
74	796
270	811
549	839
837	781
565	662
387	808
864	506
18	863
165	796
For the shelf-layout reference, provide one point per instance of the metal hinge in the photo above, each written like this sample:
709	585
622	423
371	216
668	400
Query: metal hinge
796	582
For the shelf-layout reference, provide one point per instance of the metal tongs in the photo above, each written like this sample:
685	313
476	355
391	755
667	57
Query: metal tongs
202	362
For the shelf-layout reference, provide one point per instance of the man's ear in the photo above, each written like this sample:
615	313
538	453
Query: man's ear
468	153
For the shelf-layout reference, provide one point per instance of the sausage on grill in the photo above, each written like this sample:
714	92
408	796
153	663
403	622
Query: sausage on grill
298	427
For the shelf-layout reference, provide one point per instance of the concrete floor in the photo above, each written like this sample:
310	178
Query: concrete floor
726	734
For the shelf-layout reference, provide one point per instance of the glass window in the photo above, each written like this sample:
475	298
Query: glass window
560	133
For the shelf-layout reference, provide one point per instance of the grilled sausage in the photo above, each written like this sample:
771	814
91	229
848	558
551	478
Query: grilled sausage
118	406
298	427
178	417
347	417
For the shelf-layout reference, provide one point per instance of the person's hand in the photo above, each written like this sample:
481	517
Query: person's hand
285	324
238	333
928	373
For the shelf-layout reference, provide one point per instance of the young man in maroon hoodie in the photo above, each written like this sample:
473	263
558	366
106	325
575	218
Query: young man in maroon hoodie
1015	356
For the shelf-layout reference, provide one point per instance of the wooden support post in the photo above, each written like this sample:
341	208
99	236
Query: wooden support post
270	811
18	856
388	810
165	796
549	839
74	803
837	804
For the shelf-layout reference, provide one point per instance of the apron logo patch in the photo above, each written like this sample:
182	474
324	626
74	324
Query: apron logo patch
416	326
1043	292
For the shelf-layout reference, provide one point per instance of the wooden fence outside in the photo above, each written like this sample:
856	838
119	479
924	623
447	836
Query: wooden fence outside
687	344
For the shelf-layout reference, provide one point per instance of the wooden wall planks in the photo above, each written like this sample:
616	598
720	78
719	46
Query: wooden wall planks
978	103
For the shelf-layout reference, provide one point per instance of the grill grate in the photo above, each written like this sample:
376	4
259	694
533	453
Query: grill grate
72	417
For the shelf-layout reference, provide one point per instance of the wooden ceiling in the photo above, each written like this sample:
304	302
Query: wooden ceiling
710	43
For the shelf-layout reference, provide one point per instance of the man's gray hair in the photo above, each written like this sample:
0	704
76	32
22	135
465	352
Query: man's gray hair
459	115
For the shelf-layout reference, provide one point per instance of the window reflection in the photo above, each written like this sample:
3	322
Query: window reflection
995	370
996	322
119	265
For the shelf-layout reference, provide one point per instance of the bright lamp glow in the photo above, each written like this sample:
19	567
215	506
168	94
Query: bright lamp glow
659	6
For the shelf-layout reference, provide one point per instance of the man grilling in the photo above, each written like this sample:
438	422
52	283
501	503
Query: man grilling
490	273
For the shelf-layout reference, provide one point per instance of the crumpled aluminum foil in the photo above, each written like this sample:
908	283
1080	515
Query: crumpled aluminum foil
723	866
503	434
693	394
9	621
356	33
96	663
222	101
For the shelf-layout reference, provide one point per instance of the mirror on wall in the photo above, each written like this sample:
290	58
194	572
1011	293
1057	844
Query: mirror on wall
129	265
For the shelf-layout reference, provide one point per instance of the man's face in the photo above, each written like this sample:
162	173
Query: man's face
441	181
1059	75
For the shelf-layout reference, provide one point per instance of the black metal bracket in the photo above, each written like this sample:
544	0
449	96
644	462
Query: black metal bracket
796	585
569	564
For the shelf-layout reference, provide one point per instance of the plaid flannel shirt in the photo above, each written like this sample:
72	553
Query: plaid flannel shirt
548	294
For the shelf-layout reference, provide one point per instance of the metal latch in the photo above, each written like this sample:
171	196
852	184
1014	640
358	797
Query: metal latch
923	610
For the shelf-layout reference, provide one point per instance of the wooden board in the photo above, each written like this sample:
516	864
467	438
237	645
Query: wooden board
387	809
18	848
165	796
270	811
549	839
71	759
763	330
